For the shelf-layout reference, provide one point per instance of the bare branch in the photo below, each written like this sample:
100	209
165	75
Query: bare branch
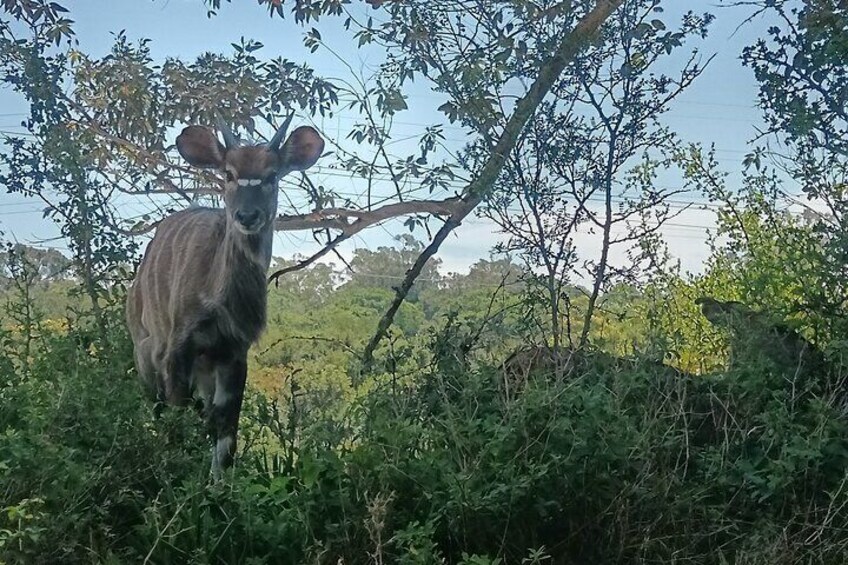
338	218
97	129
275	276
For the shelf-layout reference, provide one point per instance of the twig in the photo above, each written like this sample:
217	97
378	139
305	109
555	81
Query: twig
165	529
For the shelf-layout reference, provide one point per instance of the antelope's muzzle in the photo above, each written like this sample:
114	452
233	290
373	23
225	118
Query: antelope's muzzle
250	221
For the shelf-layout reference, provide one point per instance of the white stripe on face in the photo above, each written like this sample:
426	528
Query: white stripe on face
250	182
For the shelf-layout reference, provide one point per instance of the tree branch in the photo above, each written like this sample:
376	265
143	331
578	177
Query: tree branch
338	218
98	130
478	188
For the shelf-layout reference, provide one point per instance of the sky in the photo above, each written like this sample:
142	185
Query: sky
719	108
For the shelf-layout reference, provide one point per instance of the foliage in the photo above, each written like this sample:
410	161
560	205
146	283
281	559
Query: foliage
125	105
801	70
800	66
55	164
623	461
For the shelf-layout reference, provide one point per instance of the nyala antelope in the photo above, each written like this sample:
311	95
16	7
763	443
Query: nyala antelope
199	298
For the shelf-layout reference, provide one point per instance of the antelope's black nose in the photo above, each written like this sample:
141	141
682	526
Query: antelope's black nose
247	219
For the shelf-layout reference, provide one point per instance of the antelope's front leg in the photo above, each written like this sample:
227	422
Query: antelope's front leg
230	378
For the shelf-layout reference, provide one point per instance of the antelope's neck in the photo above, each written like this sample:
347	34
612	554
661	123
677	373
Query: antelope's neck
240	269
248	251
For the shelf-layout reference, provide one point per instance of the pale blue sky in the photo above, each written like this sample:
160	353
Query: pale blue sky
719	108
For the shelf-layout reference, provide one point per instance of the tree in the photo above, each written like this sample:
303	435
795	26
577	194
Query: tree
794	264
48	264
57	164
590	160
803	78
385	267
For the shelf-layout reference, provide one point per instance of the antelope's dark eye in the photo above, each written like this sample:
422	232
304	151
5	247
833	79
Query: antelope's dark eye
229	176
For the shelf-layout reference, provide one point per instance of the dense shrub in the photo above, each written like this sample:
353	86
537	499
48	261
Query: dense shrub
621	461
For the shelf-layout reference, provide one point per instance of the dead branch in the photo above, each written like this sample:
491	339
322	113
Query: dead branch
275	276
482	185
351	222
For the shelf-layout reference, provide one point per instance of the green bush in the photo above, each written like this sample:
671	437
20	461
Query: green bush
623	461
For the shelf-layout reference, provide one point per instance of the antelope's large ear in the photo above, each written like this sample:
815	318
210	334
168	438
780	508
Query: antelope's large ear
200	147
302	149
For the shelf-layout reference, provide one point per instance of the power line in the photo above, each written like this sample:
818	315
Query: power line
13	204
448	184
675	204
11	133
21	212
717	104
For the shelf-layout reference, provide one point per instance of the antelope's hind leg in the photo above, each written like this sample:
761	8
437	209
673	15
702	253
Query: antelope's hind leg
150	379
